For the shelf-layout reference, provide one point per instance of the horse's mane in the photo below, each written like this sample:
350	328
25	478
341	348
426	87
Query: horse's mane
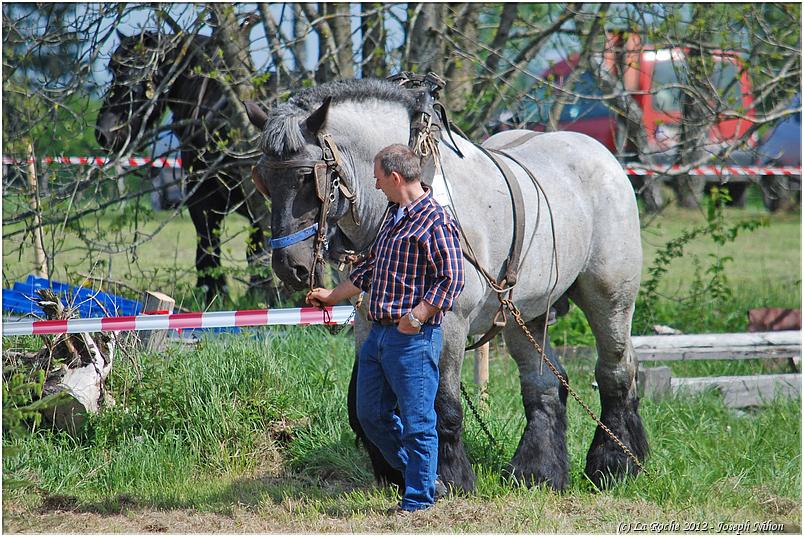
282	135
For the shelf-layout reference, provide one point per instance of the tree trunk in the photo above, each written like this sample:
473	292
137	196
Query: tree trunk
461	70
372	27
273	34
694	125
327	68
342	34
426	40
300	30
234	43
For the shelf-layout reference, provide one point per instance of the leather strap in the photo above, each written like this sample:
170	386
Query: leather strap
516	142
512	263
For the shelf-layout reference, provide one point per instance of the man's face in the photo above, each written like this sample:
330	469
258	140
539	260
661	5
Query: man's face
387	183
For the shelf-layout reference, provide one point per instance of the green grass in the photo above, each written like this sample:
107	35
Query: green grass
259	420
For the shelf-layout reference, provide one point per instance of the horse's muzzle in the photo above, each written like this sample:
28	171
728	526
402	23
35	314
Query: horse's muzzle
294	274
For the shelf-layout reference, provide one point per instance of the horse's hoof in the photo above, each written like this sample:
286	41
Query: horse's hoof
559	481
606	461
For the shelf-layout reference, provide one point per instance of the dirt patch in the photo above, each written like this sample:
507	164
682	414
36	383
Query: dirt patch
341	510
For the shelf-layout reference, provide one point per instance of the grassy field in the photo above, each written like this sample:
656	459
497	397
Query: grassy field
248	432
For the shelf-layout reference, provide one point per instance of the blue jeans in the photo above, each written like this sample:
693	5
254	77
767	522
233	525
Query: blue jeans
398	369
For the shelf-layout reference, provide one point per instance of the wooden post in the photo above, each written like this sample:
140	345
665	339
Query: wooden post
121	180
40	261
654	382
482	369
153	302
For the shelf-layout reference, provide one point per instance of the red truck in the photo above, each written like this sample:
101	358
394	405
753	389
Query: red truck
650	75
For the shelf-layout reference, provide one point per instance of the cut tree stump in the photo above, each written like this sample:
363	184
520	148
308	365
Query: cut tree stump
75	365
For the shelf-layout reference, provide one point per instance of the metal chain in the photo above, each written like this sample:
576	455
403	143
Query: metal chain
335	329
476	414
517	315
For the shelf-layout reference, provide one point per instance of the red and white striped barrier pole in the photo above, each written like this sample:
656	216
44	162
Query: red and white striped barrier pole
718	170
179	321
131	162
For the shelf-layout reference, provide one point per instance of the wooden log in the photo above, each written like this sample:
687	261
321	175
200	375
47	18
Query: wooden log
718	353
743	391
742	339
654	382
784	344
152	302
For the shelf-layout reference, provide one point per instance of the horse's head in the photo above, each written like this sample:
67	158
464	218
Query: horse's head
297	173
131	101
318	169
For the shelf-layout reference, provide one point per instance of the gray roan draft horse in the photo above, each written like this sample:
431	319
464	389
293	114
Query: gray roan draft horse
595	258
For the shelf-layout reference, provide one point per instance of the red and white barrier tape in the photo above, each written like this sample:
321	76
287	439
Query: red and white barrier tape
719	171
131	162
179	321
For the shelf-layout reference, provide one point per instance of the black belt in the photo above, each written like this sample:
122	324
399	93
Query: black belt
394	322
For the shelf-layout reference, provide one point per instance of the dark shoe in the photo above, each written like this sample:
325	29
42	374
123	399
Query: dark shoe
399	511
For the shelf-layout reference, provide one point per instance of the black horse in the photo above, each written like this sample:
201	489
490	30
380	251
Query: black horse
153	72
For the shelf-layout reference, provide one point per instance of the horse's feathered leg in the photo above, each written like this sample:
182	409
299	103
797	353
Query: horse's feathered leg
207	209
541	456
454	468
609	308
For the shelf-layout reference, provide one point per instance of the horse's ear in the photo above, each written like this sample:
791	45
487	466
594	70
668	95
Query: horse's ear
121	36
317	118
256	114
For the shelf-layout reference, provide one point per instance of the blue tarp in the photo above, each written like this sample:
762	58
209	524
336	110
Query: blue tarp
21	299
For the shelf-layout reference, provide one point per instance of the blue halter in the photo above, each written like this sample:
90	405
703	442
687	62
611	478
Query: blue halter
293	238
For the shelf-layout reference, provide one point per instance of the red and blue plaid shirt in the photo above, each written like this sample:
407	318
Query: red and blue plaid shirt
418	258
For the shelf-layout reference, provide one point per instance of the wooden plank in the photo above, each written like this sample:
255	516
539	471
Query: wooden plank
742	391
654	382
742	339
153	301
718	353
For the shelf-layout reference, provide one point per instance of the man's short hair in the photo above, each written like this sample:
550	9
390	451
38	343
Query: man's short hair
399	158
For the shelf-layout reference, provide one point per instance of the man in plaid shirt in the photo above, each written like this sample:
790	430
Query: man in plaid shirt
414	273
